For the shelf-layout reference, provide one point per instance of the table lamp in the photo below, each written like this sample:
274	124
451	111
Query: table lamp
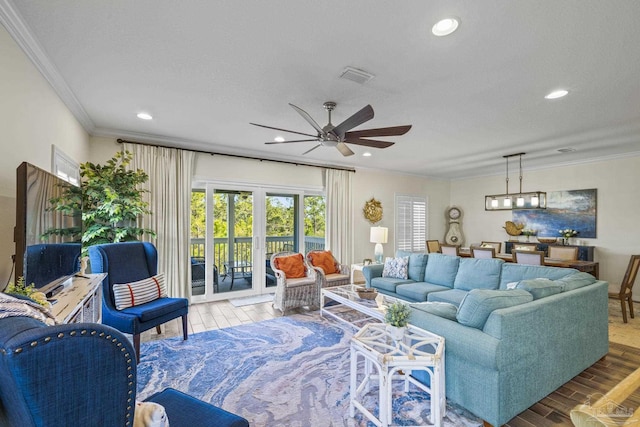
378	236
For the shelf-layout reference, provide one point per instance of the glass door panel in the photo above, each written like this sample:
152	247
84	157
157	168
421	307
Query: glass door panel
314	223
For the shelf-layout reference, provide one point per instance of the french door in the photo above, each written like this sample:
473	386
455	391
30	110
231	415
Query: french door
235	230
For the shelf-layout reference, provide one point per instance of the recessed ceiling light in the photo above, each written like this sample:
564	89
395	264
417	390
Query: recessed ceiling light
556	94
366	154
446	26
279	138
145	116
566	150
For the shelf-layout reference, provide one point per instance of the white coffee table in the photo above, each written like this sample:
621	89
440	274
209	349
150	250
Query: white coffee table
419	350
346	295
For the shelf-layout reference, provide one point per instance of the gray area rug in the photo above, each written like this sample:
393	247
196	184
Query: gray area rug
291	371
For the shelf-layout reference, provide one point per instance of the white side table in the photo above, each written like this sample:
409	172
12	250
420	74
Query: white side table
358	267
419	350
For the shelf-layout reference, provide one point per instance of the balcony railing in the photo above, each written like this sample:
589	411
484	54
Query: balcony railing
243	249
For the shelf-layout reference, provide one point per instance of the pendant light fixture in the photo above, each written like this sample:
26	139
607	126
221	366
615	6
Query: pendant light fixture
509	201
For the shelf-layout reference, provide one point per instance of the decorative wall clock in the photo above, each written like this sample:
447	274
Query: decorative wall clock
454	234
372	211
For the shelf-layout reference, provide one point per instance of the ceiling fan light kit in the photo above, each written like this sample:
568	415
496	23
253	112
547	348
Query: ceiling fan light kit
512	201
340	135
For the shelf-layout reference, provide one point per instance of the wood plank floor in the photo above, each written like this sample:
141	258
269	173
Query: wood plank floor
553	410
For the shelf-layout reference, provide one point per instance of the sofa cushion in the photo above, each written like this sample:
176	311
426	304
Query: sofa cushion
387	283
440	309
451	296
395	268
441	269
417	264
479	303
540	288
476	273
575	281
512	272
418	291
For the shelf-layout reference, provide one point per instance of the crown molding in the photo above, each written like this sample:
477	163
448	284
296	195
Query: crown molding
16	27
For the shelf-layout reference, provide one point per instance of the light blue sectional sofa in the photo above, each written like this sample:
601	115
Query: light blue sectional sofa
513	333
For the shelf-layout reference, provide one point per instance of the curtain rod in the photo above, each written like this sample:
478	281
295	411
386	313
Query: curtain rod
239	156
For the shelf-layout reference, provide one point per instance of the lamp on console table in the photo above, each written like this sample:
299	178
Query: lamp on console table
378	236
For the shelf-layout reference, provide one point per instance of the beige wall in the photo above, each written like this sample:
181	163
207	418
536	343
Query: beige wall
32	118
618	207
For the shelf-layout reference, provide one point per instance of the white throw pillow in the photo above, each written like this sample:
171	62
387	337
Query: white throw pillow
140	292
150	414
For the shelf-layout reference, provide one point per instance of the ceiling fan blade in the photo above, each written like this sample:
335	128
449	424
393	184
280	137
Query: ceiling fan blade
365	114
344	150
293	140
308	118
284	130
369	142
308	151
390	131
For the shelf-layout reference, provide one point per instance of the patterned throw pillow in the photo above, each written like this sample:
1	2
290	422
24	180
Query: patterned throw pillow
395	268
140	292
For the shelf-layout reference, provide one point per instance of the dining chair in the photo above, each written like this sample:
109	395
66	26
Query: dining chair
453	250
528	257
624	295
433	246
496	245
298	284
563	252
132	265
482	252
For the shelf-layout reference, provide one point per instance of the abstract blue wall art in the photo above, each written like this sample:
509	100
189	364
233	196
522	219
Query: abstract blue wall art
575	209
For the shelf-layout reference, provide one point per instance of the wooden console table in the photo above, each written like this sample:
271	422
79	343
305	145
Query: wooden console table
80	300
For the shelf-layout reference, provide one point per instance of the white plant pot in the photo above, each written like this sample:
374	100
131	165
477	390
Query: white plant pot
396	332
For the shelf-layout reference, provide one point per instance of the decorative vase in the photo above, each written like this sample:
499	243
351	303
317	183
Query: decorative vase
396	332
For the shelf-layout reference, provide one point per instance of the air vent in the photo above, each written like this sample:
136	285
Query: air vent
356	75
566	150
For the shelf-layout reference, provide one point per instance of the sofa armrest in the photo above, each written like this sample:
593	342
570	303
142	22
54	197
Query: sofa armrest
371	272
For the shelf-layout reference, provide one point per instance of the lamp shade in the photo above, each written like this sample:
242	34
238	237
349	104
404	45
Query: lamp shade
378	235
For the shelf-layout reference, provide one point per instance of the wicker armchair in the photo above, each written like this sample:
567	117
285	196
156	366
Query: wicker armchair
295	292
340	276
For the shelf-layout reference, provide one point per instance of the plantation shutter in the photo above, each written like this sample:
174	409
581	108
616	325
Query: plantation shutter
411	223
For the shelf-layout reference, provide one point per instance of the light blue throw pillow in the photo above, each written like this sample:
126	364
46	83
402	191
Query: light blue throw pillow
395	268
476	307
575	281
540	288
440	309
417	263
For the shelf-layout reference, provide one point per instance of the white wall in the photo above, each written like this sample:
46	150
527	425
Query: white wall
618	207
32	118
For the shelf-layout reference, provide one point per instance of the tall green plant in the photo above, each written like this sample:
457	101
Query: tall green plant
111	202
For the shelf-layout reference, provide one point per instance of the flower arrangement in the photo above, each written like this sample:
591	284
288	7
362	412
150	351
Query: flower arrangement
529	232
568	232
29	291
397	314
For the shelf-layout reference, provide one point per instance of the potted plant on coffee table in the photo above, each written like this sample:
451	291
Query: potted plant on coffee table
397	317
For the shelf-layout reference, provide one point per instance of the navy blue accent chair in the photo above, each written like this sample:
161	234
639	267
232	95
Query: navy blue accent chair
82	374
125	263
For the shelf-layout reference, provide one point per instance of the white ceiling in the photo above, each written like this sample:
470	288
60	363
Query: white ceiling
205	69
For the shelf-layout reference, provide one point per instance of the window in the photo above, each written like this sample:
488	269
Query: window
64	166
411	223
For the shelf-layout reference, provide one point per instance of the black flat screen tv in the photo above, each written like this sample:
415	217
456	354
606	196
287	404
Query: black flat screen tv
46	260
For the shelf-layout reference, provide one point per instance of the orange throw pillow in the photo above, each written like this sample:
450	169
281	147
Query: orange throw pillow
292	265
324	260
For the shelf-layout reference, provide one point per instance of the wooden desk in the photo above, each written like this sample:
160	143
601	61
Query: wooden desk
590	267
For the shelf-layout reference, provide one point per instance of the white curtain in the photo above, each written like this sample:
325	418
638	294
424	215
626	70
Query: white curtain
339	221
170	171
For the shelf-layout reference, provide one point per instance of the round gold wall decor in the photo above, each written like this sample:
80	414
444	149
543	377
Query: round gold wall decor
372	211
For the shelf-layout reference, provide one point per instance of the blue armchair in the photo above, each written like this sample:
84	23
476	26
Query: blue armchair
82	374
125	263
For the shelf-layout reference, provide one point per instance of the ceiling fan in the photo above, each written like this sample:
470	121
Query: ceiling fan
339	136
